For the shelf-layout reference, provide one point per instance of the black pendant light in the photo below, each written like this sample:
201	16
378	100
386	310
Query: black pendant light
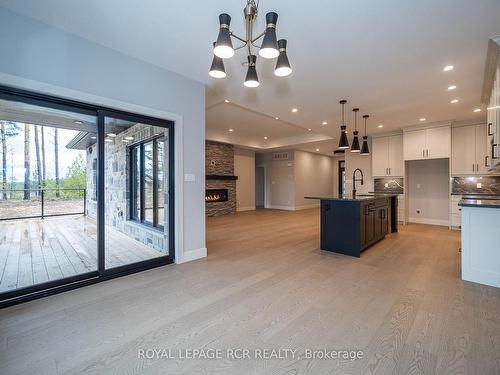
217	69
283	68
251	79
224	46
343	142
355	140
269	47
364	149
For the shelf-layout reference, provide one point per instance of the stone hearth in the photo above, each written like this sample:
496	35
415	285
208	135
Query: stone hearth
219	165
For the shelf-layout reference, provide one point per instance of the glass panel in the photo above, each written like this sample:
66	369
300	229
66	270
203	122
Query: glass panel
136	182
161	181
148	182
47	224
130	165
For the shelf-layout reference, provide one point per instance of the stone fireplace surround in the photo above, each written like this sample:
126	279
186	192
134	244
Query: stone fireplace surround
219	170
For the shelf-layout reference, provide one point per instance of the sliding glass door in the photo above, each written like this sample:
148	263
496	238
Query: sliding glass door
86	194
137	191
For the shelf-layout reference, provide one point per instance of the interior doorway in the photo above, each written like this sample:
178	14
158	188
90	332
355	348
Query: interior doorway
260	190
341	179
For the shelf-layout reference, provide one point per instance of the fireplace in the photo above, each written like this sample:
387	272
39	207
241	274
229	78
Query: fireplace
216	195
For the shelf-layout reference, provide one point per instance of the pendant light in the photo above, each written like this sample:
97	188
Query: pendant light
355	140
283	68
343	142
269	47
364	149
217	69
251	80
224	47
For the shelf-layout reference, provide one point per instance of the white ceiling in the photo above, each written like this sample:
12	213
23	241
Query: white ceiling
385	57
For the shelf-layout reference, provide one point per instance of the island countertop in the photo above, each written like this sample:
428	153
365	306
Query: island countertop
358	197
486	203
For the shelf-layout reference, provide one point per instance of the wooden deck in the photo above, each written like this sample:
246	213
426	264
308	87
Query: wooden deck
34	251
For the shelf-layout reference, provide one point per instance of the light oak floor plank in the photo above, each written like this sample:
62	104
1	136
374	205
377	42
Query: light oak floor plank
265	284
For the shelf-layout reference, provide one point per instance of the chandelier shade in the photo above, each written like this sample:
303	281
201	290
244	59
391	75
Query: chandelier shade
283	68
251	79
269	47
224	46
217	69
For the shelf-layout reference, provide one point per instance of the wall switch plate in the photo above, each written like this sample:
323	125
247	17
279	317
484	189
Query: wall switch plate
189	177
479	185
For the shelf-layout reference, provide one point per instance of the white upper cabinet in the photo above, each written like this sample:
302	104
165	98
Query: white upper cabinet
463	153
387	156
469	150
431	143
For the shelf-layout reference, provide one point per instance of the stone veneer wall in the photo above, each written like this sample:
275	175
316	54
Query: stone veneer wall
219	160
116	195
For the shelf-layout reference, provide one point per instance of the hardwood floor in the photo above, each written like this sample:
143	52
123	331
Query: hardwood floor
265	284
33	251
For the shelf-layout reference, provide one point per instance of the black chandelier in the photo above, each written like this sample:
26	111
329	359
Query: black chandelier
269	49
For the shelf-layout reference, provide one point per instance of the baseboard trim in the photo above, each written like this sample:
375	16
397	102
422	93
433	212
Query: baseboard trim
191	255
418	220
249	208
287	208
307	206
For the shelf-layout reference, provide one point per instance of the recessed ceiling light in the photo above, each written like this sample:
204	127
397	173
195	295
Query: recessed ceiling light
309	129
317	149
78	122
226	101
231	130
454	101
448	68
422	119
295	110
477	110
380	126
93	137
125	141
108	140
452	87
265	138
129	138
324	123
111	135
276	118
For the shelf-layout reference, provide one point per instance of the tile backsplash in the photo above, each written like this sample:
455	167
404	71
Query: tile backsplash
389	185
476	185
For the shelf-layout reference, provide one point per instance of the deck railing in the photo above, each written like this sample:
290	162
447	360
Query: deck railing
42	203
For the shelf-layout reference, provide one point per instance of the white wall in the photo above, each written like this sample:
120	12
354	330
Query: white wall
313	177
39	57
279	181
428	190
244	168
353	161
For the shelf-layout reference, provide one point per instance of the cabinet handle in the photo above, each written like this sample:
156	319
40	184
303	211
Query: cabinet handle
486	161
427	152
389	170
494	151
423	153
490	126
473	168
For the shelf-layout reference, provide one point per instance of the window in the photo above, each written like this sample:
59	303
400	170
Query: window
147	182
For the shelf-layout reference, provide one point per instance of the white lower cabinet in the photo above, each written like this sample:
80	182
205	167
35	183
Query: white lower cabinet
455	212
401	209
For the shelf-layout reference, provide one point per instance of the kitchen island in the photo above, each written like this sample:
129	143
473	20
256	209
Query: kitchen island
350	225
481	240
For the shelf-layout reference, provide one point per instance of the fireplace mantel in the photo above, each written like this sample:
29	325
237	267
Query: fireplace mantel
220	177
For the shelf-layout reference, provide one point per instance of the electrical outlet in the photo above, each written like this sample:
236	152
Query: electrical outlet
386	185
479	185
